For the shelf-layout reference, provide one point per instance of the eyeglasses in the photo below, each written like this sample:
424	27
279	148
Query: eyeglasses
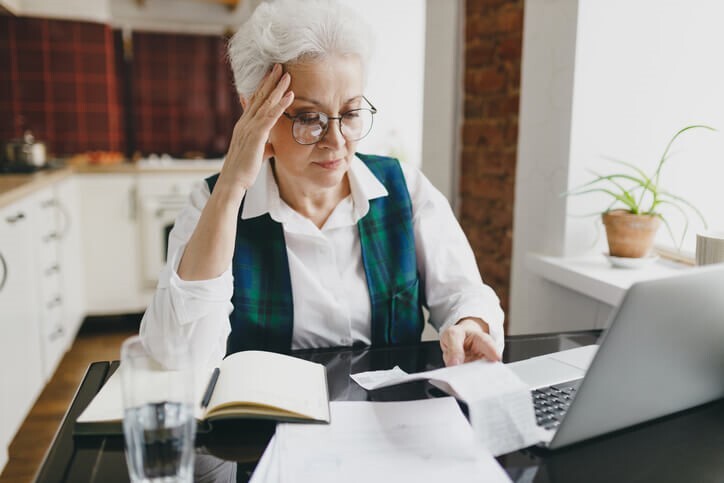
311	127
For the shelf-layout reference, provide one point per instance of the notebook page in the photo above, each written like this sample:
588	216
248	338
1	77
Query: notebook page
272	379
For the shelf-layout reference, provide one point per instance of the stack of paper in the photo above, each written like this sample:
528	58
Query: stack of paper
427	440
500	404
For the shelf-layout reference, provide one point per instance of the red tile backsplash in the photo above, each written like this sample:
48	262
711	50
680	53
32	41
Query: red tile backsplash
67	82
182	94
60	83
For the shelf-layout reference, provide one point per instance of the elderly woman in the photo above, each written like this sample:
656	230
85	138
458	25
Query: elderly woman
300	241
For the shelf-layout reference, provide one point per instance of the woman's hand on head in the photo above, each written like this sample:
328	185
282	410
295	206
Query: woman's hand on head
467	341
248	146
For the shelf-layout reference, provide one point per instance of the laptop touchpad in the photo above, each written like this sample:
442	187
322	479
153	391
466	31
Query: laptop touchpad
544	371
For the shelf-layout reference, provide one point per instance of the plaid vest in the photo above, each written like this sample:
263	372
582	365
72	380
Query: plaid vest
263	307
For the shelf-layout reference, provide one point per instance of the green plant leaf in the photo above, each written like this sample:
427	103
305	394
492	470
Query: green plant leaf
686	220
626	193
691	206
641	172
668	228
620	198
664	156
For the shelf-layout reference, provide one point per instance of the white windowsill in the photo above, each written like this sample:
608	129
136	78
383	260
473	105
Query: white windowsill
595	277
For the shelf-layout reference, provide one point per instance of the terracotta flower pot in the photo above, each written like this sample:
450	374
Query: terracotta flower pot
630	235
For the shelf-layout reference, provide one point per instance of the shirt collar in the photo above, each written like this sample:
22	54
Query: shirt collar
263	196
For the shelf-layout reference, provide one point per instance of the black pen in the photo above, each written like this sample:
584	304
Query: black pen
210	388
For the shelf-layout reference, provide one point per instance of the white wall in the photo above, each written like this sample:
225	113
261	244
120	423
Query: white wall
613	78
644	70
442	109
545	120
395	83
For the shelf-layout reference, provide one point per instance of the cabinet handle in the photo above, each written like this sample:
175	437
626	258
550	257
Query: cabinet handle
50	237
54	303
56	334
5	271
51	270
66	223
16	218
49	203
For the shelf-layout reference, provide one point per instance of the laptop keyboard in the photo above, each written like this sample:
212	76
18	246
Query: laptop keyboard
552	402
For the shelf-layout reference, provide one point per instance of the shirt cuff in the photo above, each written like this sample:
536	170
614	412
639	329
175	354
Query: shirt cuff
193	299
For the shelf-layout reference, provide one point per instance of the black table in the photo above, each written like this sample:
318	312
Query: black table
685	447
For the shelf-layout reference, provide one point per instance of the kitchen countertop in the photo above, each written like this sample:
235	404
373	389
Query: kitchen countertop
14	187
17	186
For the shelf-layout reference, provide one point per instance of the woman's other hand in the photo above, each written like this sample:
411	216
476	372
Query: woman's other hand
248	146
467	341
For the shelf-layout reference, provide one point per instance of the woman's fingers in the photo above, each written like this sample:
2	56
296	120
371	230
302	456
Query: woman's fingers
270	108
466	343
480	346
451	343
266	86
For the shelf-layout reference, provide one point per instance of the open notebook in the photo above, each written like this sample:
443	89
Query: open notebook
250	385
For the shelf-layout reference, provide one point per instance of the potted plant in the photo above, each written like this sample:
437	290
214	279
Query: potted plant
634	214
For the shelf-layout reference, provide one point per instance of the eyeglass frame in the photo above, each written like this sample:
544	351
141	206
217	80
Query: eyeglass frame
372	109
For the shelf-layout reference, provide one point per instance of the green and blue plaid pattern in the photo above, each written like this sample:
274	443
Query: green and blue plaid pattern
263	312
388	256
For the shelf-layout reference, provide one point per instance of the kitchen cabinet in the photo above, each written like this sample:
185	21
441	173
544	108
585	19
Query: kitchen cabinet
12	6
188	16
88	10
21	377
60	270
70	253
109	230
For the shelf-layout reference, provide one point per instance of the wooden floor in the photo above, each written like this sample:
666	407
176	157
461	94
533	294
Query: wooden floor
99	339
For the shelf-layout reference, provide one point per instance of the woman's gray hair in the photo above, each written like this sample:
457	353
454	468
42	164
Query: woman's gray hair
289	31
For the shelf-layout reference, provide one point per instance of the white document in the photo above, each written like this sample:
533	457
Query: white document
374	379
409	441
267	469
501	409
500	403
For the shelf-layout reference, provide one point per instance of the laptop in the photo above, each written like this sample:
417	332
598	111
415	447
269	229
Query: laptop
663	352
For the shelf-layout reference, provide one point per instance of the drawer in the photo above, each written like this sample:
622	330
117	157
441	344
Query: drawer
54	347
51	316
48	212
48	252
50	282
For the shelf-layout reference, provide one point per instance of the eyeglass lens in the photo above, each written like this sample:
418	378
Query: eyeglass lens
311	127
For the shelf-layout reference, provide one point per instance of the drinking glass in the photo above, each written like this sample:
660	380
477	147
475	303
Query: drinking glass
158	420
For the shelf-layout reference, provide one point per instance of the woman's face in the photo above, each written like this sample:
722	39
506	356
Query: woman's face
331	86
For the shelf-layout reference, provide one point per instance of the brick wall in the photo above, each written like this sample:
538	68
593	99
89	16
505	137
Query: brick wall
493	41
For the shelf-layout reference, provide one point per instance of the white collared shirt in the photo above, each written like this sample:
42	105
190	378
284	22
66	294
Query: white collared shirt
329	286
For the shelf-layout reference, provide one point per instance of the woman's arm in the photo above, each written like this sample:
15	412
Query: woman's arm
211	247
197	310
465	310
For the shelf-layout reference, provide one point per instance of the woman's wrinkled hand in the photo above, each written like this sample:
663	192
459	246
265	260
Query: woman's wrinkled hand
467	341
248	147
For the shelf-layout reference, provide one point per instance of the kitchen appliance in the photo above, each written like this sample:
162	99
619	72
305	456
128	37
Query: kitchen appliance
23	155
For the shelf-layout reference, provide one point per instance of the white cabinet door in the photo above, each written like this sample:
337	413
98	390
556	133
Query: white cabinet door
70	254
109	229
13	6
50	300
20	355
92	10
